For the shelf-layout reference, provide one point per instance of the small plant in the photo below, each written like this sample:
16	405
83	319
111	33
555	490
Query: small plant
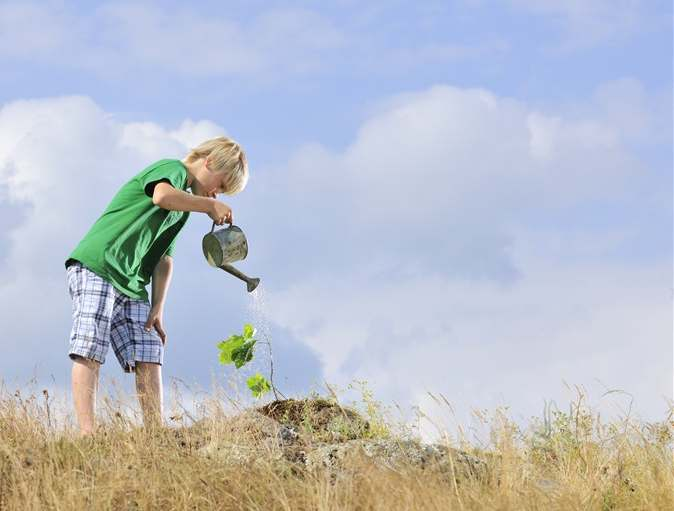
239	350
258	384
378	427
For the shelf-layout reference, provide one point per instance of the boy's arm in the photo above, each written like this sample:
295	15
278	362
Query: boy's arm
161	278
167	197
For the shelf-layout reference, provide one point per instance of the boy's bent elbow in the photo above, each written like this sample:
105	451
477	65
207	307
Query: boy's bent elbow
159	194
157	197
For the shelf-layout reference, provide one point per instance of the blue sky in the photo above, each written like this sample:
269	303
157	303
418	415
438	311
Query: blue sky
487	181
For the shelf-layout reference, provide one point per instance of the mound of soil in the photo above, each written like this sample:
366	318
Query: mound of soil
313	434
318	417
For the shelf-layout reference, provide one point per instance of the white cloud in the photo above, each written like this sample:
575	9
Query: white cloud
483	344
637	115
410	58
147	35
147	139
28	29
435	162
444	251
591	22
191	133
141	39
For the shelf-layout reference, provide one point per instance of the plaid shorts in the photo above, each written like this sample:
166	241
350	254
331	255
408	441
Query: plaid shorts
103	315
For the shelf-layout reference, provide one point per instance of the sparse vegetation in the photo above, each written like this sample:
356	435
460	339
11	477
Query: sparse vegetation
315	453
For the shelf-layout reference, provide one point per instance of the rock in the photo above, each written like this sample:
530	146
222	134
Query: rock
396	454
313	434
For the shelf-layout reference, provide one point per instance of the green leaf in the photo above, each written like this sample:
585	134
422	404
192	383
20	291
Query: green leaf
258	384
243	353
248	331
227	348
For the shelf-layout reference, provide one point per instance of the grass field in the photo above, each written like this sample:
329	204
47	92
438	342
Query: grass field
219	460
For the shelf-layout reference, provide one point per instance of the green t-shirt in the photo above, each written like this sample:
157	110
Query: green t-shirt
127	241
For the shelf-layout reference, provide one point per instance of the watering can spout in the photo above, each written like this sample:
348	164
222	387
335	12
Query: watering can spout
226	246
251	283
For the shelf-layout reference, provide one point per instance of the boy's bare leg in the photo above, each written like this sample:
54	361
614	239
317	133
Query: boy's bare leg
84	377
149	389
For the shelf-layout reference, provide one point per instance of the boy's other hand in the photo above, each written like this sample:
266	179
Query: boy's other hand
220	213
154	319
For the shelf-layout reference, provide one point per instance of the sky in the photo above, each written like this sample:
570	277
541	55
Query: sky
465	198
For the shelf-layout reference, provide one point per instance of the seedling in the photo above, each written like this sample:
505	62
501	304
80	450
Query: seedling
239	350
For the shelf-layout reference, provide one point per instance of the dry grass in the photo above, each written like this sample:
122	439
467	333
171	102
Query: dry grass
564	461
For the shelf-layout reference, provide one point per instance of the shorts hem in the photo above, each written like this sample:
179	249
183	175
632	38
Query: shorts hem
130	366
72	354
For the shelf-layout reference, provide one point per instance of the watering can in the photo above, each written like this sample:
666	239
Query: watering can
225	246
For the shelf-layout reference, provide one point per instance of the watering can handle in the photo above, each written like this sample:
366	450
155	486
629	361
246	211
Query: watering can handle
213	227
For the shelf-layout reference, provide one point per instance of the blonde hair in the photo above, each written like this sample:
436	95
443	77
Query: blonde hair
224	154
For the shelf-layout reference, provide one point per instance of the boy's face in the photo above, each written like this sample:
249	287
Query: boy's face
210	184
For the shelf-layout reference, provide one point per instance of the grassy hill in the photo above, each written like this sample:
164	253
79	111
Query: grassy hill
316	454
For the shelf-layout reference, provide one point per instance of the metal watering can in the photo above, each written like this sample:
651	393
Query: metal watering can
225	246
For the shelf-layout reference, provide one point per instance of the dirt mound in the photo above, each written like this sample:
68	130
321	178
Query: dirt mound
320	418
315	434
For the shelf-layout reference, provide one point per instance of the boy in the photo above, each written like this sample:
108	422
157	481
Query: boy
130	245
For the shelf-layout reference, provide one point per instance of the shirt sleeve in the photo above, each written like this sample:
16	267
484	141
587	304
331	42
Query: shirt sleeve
171	248
172	173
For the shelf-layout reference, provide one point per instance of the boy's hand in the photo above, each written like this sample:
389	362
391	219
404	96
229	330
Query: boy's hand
154	319
220	213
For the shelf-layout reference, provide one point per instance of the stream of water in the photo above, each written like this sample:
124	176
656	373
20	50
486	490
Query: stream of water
257	316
